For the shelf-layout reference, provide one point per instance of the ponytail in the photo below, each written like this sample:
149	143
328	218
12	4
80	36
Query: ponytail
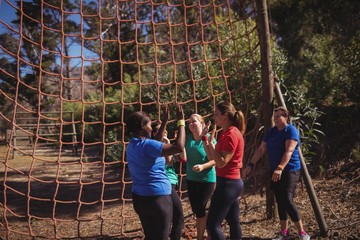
239	121
236	117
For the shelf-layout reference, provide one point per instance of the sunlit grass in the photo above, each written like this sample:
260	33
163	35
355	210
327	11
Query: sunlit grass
6	157
23	161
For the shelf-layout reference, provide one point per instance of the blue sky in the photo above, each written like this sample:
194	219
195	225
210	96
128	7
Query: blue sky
7	14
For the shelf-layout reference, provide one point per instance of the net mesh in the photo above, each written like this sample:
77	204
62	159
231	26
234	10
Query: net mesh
71	71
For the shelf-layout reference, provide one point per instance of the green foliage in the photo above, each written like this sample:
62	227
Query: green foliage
194	67
350	63
114	148
99	116
279	60
342	139
326	79
304	113
242	68
322	43
305	116
141	66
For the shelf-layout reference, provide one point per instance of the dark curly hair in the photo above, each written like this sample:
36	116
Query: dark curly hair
136	121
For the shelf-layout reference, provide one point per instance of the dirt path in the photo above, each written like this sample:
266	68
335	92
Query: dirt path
338	192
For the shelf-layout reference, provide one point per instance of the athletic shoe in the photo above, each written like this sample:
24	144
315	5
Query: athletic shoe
304	236
281	236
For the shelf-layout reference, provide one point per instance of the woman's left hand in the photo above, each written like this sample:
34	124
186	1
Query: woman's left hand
165	112
198	168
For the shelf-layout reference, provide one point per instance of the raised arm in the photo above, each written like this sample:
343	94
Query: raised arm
220	159
164	120
182	157
179	145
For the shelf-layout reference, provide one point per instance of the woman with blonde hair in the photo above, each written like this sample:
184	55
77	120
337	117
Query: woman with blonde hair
200	173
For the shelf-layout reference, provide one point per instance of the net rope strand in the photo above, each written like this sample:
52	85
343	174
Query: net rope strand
71	189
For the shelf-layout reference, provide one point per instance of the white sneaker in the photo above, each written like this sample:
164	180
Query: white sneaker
304	236
281	236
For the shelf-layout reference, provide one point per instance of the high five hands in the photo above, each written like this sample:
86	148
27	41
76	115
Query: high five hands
206	130
165	112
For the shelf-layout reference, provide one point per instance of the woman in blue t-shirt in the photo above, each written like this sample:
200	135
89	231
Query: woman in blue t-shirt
178	214
151	187
282	144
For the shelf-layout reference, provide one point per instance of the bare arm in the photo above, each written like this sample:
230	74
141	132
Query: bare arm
220	159
290	146
164	120
202	167
179	145
168	159
209	164
206	141
182	157
260	151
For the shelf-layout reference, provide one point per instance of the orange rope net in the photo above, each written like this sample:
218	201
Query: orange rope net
70	73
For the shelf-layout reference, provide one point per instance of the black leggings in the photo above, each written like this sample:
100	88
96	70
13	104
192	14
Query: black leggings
284	191
199	195
225	205
178	216
155	214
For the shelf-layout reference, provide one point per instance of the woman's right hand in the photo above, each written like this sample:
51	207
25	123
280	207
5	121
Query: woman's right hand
206	129
212	133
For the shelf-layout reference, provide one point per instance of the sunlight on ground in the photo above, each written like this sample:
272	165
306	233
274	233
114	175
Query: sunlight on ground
21	161
17	162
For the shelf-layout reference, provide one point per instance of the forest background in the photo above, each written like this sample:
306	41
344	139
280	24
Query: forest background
315	55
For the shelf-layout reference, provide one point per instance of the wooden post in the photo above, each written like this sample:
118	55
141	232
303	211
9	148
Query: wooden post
14	141
267	90
74	138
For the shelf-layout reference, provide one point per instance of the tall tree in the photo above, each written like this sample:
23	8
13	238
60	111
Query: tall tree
321	38
41	43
